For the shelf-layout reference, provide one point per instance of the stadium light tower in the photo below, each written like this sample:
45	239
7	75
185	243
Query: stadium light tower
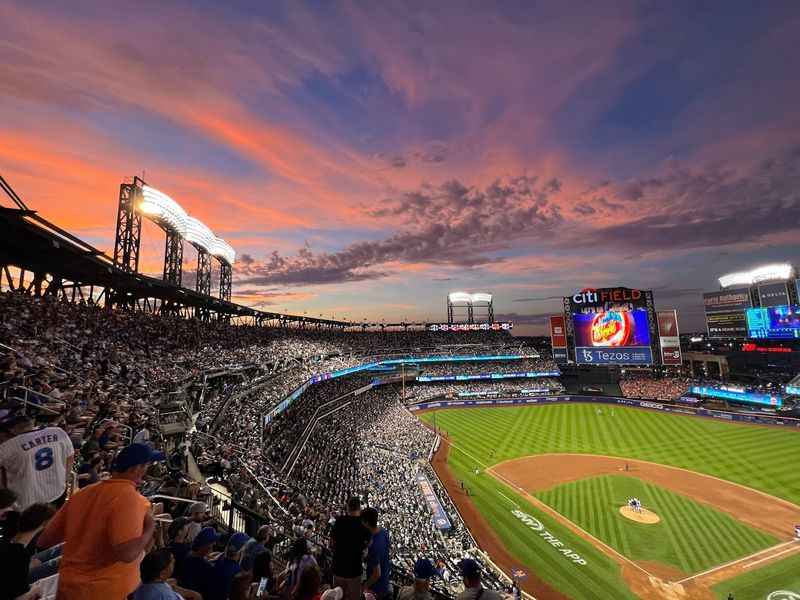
460	301
127	240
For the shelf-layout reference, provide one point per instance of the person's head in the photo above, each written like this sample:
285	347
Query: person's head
19	424
7	500
298	549
35	516
197	512
157	566
235	544
263	534
179	530
308	586
369	516
204	541
423	572
470	572
133	461
354	506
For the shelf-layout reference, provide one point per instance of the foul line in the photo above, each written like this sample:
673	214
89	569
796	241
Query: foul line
760	560
738	560
507	498
553	513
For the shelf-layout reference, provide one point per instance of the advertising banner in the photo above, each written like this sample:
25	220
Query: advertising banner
604	299
774	322
440	520
669	336
725	312
506	326
612	329
773	294
736	395
558	335
633	355
560	356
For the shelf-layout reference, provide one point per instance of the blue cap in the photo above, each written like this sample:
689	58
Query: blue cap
206	537
469	568
135	455
237	541
423	569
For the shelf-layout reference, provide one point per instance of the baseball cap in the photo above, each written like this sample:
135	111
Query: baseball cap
237	541
469	568
198	507
423	569
206	537
135	455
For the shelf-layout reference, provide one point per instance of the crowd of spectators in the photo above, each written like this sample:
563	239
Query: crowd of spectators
525	365
666	388
82	394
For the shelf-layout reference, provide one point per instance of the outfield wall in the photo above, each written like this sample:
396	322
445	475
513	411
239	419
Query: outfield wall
647	404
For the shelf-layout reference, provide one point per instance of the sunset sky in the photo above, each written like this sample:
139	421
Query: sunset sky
367	158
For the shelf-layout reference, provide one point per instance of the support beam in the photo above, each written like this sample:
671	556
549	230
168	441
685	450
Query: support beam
225	281
129	227
173	258
203	272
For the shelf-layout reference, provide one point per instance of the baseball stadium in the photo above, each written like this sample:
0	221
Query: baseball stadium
399	300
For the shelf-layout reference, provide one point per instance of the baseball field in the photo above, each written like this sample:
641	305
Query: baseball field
542	488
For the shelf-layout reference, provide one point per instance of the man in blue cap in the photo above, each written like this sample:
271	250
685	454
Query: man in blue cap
421	590
197	572
105	528
227	567
473	589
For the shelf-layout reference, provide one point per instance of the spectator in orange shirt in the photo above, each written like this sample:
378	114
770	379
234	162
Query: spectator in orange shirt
106	528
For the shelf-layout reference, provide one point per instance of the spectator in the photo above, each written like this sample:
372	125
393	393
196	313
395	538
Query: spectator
198	516
349	539
226	567
179	543
196	571
473	588
156	569
8	516
15	552
308	586
35	462
105	529
421	590
299	560
256	547
379	567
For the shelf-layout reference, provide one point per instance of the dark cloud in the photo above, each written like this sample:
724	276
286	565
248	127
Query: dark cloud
584	209
447	224
434	152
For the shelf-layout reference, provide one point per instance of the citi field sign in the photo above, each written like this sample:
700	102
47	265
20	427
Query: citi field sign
604	297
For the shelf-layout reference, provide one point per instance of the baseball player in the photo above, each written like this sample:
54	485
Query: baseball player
35	462
797	531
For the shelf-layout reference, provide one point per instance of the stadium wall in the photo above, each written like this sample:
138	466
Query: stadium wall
646	404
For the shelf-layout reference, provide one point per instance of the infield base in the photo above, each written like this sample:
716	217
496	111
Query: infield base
647	517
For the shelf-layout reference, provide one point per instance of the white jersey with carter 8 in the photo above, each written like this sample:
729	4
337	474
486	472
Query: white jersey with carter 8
35	465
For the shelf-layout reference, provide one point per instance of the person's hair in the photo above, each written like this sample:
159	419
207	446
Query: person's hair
353	503
308	586
35	516
370	517
298	549
7	498
152	564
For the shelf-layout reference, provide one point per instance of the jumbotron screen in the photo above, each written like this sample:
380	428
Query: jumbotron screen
613	337
773	322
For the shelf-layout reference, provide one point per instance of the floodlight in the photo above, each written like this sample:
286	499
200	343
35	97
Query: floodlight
160	206
221	249
481	297
198	233
460	297
774	272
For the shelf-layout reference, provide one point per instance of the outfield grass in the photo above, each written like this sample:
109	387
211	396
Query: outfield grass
758	457
759	583
691	536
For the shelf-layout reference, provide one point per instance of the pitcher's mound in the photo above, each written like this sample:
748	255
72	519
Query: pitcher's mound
647	517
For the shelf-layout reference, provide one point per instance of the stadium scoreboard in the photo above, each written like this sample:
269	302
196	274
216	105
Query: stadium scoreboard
614	326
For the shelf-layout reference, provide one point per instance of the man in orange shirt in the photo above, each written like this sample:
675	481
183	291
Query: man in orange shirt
106	528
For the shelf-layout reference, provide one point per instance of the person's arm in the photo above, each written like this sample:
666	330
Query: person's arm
130	527
55	531
374	575
132	550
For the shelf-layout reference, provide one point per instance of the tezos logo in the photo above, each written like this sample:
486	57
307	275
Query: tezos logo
585	296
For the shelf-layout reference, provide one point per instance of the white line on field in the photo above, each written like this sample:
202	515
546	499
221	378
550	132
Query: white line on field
760	560
733	562
507	498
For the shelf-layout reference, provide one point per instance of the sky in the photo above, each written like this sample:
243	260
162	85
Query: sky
366	158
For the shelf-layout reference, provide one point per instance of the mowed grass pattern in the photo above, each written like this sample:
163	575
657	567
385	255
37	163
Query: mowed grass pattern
757	584
690	537
759	457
